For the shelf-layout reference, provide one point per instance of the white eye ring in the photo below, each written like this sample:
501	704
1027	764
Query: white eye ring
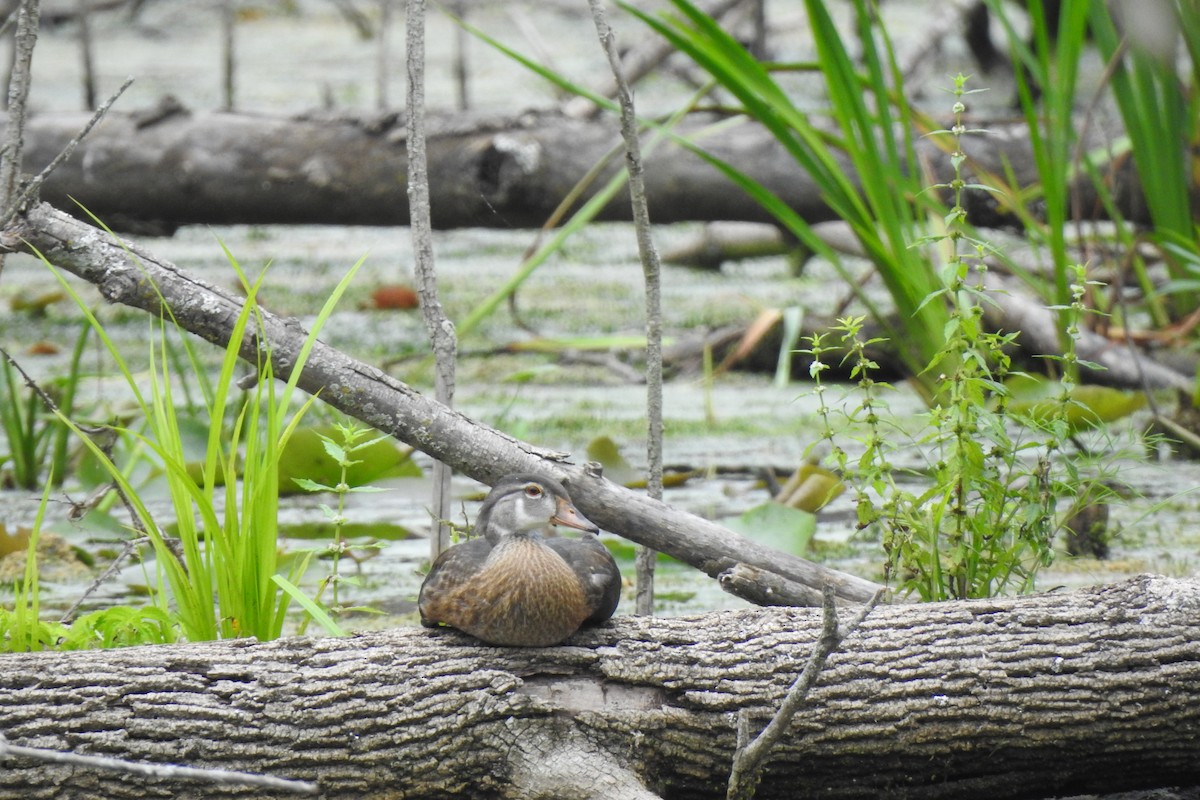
533	490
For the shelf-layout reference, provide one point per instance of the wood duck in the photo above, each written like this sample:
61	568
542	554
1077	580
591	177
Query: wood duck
516	584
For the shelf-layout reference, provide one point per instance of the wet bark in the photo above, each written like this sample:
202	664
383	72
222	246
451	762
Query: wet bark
164	167
1054	694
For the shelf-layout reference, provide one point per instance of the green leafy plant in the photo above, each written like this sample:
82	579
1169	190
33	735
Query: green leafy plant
309	460
120	626
352	440
982	519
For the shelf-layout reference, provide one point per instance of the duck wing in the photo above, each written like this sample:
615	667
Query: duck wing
452	569
597	572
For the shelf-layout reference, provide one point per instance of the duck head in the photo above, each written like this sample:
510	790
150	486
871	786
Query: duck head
528	505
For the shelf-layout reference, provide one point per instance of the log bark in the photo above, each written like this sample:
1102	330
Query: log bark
1056	694
165	167
129	274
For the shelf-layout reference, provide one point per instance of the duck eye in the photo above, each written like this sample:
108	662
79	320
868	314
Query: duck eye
533	490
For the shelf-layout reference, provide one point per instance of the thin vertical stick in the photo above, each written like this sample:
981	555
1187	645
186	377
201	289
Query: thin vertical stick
383	57
228	62
24	41
651	270
85	53
441	329
461	67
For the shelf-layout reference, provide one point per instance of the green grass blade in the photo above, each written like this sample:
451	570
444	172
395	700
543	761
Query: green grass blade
310	607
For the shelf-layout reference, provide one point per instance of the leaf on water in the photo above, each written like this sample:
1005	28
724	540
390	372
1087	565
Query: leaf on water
810	488
778	526
306	457
1091	405
605	451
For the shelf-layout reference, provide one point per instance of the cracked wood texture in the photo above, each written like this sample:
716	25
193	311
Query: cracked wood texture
1054	694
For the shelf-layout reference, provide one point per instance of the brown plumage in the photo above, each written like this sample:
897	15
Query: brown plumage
514	586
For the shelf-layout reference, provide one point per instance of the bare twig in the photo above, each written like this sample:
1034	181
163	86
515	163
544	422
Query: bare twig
651	270
107	446
18	93
383	57
641	59
160	771
751	756
84	17
440	328
129	548
228	53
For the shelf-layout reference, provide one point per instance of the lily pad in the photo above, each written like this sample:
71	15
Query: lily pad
811	488
1091	406
607	453
305	456
779	526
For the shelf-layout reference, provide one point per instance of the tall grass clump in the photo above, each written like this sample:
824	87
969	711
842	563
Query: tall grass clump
38	443
221	575
1160	110
1047	76
873	129
1154	94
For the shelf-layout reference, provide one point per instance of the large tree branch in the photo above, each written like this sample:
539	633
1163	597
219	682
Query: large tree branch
128	274
1048	695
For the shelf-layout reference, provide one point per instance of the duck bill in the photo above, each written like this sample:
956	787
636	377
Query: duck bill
569	516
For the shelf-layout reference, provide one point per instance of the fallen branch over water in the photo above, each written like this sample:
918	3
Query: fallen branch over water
128	274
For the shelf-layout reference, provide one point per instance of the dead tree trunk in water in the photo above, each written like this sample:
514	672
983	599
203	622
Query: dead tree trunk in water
167	167
1056	694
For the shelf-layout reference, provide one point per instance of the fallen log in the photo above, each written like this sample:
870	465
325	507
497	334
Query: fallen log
1056	694
167	166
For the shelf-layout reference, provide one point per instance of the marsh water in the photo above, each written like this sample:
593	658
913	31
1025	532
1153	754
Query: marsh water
727	432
